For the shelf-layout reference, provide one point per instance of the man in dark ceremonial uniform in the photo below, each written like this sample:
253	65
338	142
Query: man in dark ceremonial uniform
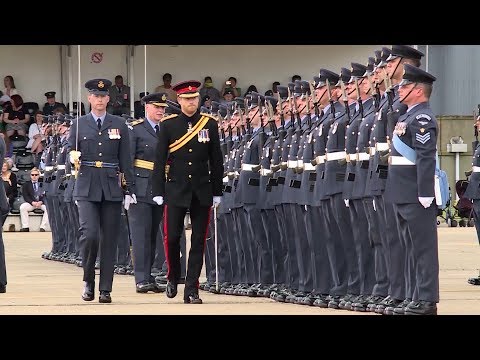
188	174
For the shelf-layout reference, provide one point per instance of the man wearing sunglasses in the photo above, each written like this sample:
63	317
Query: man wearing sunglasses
32	192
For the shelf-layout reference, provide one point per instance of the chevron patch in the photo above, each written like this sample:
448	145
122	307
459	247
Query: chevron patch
422	138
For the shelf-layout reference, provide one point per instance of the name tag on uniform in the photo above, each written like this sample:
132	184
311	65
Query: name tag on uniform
114	134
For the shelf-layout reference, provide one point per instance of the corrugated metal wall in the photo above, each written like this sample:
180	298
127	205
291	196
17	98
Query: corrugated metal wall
457	68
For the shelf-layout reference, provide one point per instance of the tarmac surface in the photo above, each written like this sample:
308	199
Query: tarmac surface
45	287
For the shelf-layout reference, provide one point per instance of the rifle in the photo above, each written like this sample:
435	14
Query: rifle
309	117
330	99
282	116
375	93
314	100
359	98
345	100
247	119
474	121
292	107
262	135
271	119
220	120
229	118
389	90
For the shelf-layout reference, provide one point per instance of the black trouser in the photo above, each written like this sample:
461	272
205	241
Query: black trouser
3	267
240	247
420	227
174	217
274	248
342	217
376	225
99	226
317	234
144	220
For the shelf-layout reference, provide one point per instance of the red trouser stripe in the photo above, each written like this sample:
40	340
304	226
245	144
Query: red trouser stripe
165	238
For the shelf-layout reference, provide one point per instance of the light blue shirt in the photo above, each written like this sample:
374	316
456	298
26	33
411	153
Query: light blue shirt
102	118
153	124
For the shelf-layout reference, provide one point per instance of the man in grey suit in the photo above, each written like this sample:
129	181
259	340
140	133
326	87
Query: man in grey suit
100	150
145	215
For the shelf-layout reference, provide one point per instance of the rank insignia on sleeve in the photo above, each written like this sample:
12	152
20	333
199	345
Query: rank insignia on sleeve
422	138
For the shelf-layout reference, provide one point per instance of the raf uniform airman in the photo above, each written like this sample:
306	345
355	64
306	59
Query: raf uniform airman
51	104
145	216
412	171
101	153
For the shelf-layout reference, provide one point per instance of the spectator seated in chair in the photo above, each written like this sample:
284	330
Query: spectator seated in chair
16	118
10	184
32	192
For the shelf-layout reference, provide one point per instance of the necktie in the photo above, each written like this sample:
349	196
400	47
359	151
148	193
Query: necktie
35	187
99	123
156	129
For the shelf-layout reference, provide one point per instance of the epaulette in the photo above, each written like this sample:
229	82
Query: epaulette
208	115
169	117
136	122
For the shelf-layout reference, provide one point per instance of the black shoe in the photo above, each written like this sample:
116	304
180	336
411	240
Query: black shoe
3	289
88	291
171	289
105	297
24	229
145	287
181	280
42	230
159	288
160	279
192	299
421	308
474	281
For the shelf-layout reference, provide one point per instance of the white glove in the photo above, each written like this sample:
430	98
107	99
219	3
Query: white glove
374	206
74	155
76	202
158	200
426	201
347	202
129	199
217	200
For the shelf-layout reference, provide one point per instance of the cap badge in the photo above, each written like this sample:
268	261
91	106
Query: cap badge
101	85
189	88
164	97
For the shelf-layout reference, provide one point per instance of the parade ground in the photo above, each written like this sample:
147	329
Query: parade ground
45	287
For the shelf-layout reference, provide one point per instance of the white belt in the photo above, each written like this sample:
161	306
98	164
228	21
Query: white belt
320	159
363	156
265	172
399	160
248	167
475	168
372	151
299	163
230	173
283	163
338	155
48	168
351	157
292	164
382	146
225	179
60	167
308	167
74	172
